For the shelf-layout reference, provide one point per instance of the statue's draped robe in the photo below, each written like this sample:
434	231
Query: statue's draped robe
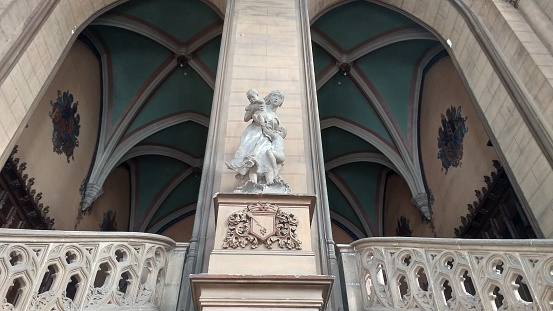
254	145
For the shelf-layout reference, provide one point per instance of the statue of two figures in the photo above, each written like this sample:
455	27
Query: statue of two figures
260	155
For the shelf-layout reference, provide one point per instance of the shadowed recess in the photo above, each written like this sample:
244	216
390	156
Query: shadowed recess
185	193
209	54
173	16
339	142
356	22
189	137
390	70
133	59
321	59
362	180
153	173
183	90
339	205
340	97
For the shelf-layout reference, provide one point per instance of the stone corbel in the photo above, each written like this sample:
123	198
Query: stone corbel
420	200
91	193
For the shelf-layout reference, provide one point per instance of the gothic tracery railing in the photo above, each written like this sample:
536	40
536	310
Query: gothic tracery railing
448	274
56	270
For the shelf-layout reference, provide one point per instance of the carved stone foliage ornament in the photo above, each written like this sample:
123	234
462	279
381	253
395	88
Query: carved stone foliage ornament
65	121
20	205
450	138
262	222
260	155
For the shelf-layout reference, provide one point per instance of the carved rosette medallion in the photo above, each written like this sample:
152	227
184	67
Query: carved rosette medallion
262	222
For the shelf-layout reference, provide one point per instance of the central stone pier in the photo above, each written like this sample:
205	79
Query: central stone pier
266	250
263	257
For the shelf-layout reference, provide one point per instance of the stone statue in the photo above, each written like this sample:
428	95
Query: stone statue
260	155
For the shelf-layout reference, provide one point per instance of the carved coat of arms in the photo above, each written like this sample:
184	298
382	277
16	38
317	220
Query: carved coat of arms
65	121
450	138
262	222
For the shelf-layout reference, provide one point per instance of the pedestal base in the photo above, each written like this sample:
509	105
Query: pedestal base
260	260
214	292
263	257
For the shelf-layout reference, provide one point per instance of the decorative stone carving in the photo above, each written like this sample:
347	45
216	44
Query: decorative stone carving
20	205
66	271
450	138
91	193
452	274
65	120
260	155
344	68
496	214
421	201
262	222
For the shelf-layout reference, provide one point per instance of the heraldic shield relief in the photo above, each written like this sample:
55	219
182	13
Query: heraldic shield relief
65	121
450	138
263	222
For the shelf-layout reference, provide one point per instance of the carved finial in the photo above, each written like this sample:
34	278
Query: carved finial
497	165
38	197
471	209
457	232
14	151
488	180
22	167
30	182
478	194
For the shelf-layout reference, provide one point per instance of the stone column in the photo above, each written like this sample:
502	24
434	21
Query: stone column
265	46
265	53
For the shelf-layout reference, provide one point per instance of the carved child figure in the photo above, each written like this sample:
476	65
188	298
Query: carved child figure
257	107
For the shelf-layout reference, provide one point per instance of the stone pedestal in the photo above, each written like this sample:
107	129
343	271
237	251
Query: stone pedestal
260	292
262	257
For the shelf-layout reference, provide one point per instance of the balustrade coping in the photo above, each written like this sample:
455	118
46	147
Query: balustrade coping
51	236
453	243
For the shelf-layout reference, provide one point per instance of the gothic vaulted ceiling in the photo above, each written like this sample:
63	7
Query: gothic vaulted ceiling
369	62
159	62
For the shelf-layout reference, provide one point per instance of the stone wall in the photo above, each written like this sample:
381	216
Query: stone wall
397	204
116	198
547	7
452	187
59	176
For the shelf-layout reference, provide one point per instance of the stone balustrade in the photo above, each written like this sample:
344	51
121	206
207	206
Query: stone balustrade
448	274
60	270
